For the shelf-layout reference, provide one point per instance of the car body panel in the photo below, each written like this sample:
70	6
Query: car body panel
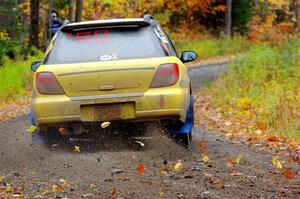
149	103
105	77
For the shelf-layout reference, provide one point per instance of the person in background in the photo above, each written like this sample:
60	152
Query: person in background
55	23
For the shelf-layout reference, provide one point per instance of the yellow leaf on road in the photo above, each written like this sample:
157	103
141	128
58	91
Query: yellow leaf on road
205	158
105	125
279	165
93	186
238	160
32	128
55	188
8	188
77	148
179	166
274	160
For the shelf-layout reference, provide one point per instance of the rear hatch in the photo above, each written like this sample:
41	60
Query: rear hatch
105	60
109	77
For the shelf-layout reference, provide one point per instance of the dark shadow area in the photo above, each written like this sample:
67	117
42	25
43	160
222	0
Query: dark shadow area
139	137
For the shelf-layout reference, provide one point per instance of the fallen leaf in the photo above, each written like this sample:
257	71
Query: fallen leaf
202	145
270	174
222	185
113	191
55	188
161	193
61	131
205	159
272	139
288	174
179	166
32	128
229	163
279	166
92	186
238	159
8	187
63	183
211	181
274	160
105	124
77	148
140	168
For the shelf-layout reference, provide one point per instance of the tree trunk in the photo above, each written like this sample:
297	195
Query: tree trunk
79	5
70	17
297	13
34	23
228	17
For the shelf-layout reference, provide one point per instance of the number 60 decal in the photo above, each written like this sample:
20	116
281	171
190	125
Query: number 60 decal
90	36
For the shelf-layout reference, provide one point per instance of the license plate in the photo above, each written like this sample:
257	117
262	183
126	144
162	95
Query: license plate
107	112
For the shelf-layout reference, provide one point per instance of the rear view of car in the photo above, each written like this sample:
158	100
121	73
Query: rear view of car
111	70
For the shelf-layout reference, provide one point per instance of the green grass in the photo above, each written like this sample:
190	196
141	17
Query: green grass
16	77
211	48
267	78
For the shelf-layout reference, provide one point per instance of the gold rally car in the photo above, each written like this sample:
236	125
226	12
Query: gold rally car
117	70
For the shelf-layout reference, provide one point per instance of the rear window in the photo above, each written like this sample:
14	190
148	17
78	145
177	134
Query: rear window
105	45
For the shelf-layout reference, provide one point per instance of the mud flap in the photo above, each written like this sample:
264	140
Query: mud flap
187	127
36	137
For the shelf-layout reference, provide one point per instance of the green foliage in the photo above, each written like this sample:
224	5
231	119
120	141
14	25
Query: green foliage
270	78
12	50
16	76
210	48
61	4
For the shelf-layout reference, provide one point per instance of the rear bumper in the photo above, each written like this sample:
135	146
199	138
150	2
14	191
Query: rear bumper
154	104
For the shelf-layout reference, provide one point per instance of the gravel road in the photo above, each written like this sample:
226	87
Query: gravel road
107	167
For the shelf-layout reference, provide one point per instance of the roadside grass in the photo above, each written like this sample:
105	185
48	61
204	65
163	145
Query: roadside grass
16	77
261	90
214	48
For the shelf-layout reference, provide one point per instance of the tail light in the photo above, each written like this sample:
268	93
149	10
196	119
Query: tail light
46	83
166	75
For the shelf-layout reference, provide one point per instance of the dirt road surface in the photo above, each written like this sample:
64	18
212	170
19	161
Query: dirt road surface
107	167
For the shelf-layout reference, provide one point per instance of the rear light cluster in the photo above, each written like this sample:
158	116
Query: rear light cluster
166	75
46	83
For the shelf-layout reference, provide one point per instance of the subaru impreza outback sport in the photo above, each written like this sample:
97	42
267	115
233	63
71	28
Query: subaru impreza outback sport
117	70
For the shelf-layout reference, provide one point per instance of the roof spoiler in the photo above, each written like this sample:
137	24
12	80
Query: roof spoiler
146	21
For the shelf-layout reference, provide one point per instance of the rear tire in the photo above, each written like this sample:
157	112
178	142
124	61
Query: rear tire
185	138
